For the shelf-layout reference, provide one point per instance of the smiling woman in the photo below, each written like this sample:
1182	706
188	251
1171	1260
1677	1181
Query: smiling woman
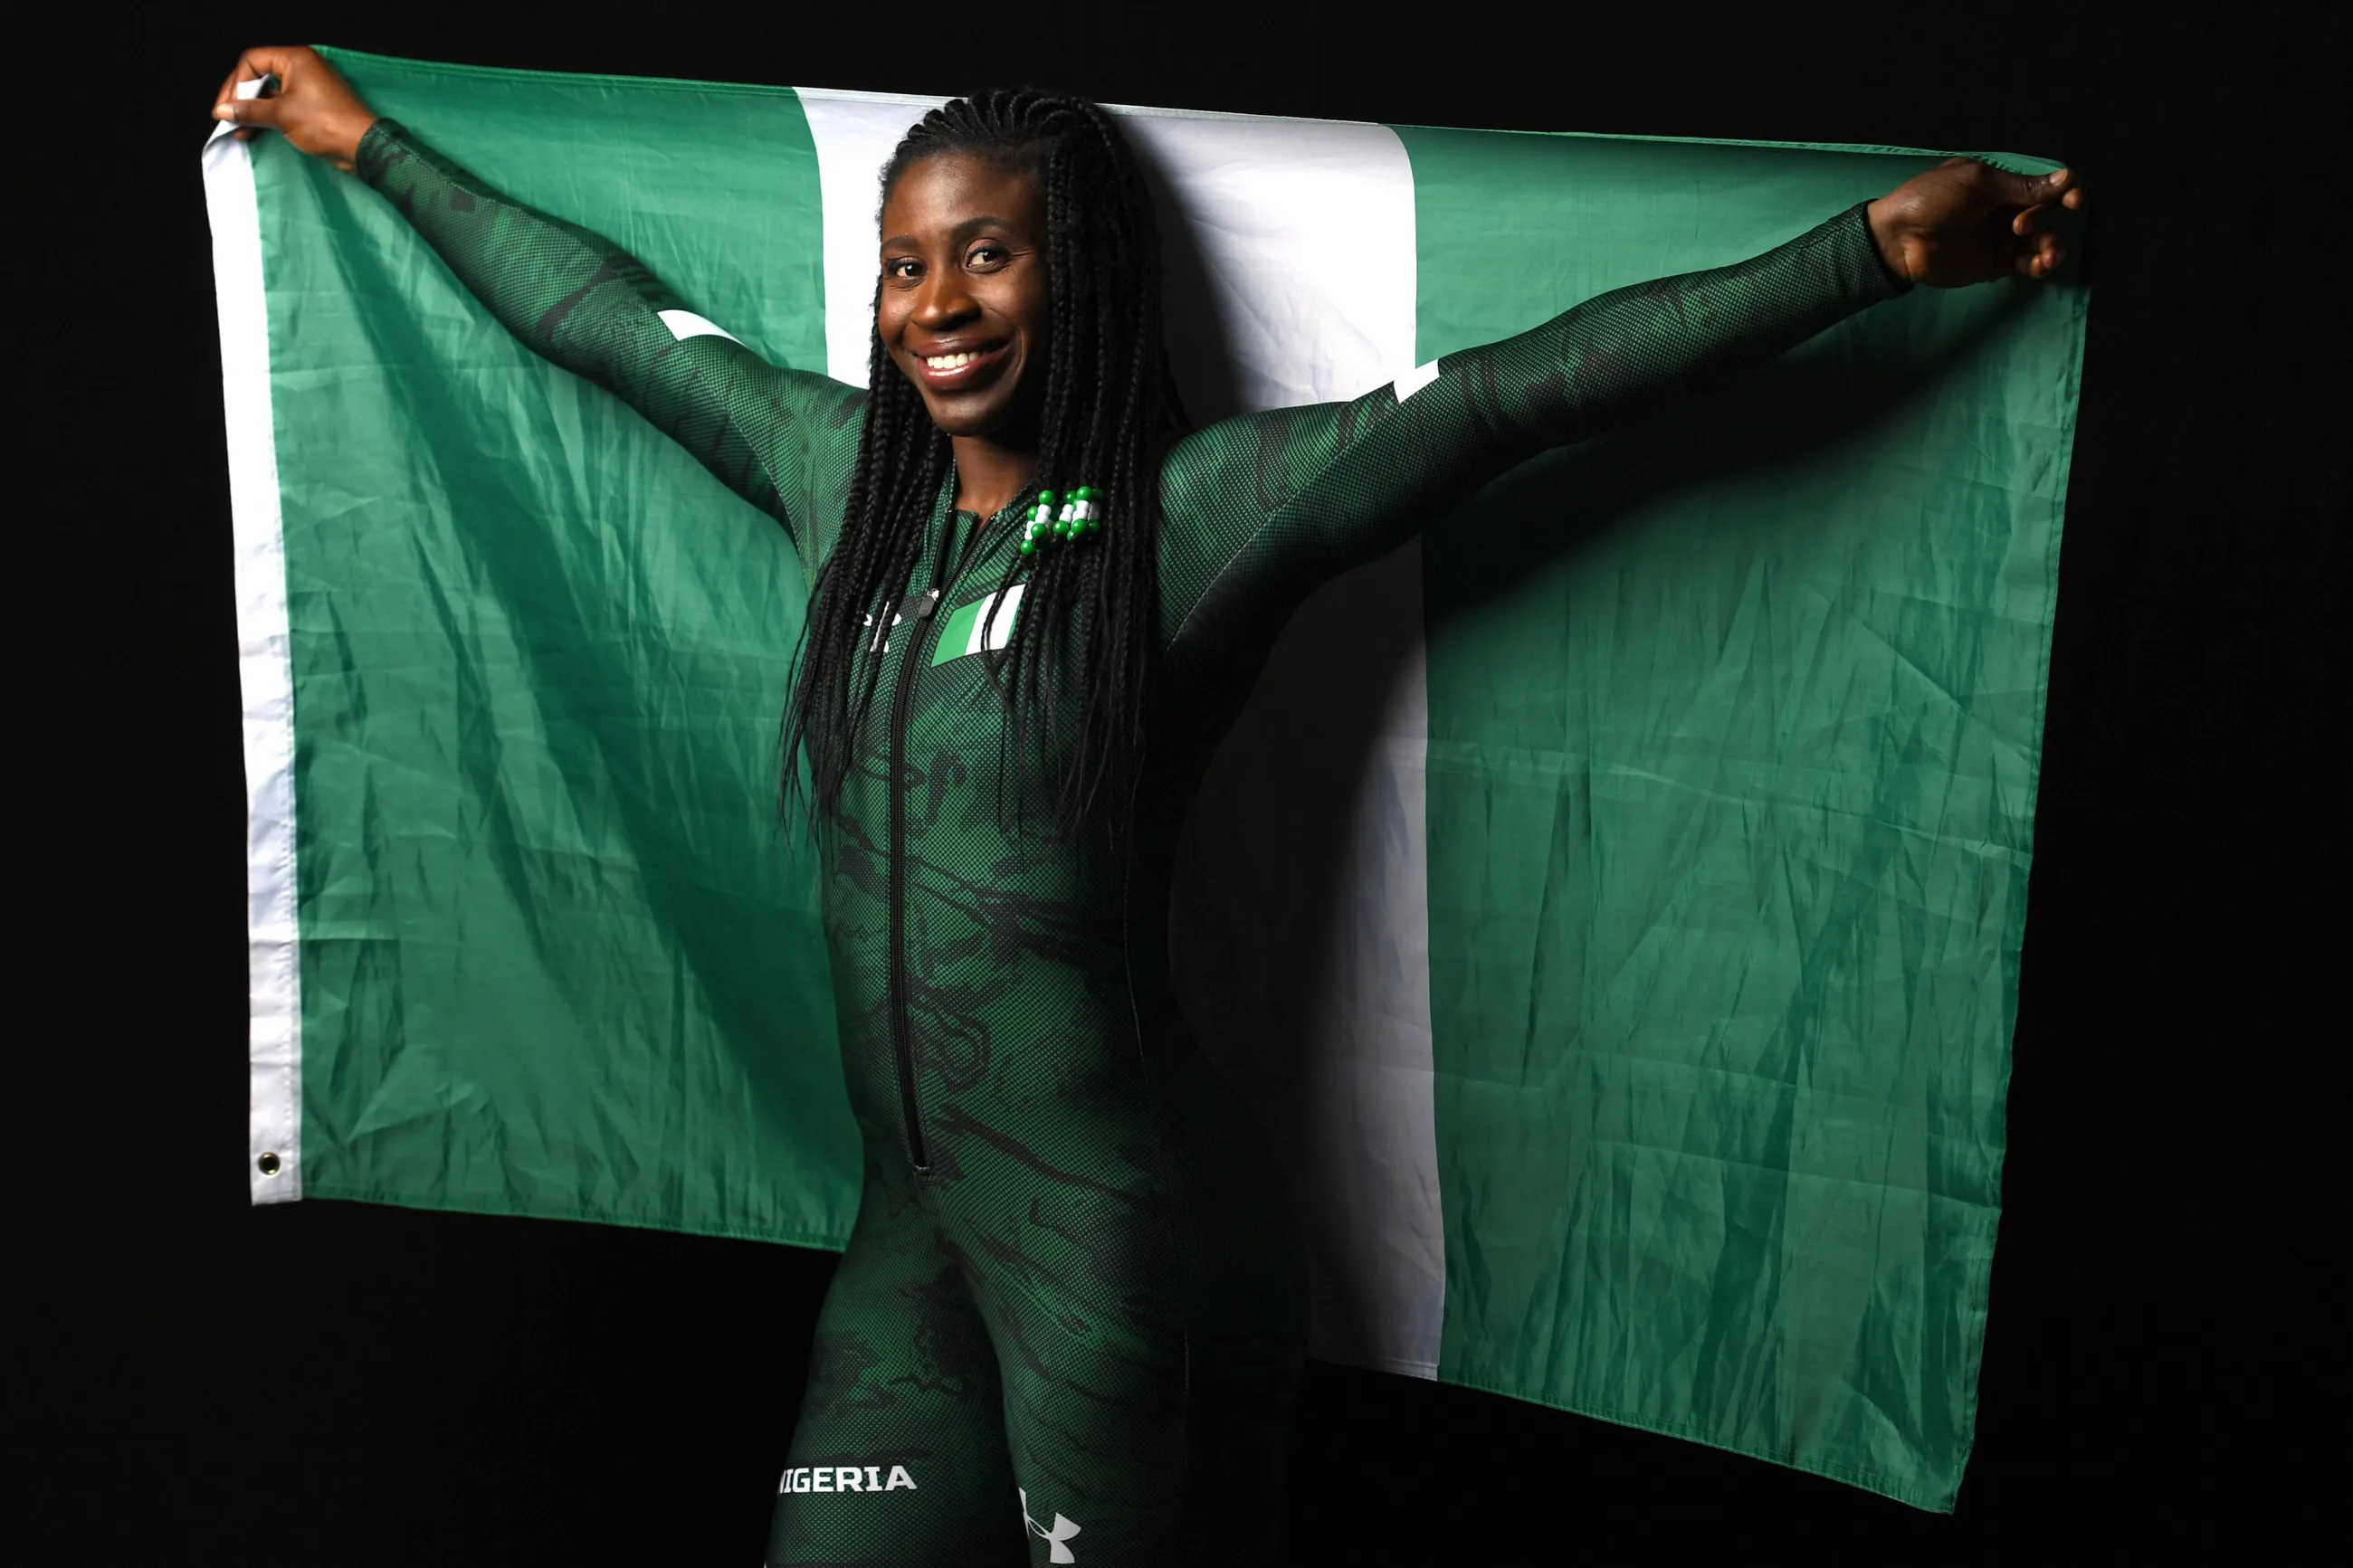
1069	1319
964	305
1020	304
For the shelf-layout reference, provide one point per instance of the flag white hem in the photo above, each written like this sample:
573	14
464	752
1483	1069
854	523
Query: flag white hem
266	677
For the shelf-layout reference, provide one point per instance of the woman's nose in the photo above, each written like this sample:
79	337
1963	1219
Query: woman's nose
943	299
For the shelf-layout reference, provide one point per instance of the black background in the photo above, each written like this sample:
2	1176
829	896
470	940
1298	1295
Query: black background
196	1382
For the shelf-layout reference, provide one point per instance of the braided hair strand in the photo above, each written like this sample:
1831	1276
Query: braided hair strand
1076	671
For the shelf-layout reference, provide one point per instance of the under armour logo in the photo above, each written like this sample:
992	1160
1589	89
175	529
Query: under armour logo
1063	1529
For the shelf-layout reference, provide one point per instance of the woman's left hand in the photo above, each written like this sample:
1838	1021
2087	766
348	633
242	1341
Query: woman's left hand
1965	221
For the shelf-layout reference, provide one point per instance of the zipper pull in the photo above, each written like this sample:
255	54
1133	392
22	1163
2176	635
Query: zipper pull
931	597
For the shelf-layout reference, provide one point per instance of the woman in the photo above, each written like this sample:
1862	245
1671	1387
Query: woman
1072	1307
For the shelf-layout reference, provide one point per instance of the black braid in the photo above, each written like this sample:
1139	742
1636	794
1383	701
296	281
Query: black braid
1110	409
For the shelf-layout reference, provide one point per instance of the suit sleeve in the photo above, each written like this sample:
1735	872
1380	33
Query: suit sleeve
582	303
1260	509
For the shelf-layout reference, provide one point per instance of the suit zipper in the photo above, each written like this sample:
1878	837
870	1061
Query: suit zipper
918	609
903	1039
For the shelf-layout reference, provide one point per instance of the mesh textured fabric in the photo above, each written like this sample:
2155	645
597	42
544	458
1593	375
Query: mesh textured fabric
785	440
1073	1270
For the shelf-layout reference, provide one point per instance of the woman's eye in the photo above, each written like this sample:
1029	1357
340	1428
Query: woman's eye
985	256
902	267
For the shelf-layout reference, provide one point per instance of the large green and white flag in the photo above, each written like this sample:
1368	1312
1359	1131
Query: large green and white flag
1612	901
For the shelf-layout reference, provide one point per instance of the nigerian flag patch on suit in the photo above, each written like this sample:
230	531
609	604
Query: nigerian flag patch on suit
1612	901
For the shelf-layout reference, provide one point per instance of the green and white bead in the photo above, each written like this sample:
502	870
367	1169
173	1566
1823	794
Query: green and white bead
1079	515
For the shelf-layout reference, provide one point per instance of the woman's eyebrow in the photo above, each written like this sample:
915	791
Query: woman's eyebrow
969	225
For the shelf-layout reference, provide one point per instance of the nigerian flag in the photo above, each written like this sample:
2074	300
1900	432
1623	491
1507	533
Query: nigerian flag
1612	902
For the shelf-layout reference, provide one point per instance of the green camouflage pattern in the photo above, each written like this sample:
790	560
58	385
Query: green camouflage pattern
1068	1323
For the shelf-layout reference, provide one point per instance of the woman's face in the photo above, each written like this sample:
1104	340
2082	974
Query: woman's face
965	310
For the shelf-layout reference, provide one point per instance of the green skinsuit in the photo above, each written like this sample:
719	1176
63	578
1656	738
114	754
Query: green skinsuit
1070	1321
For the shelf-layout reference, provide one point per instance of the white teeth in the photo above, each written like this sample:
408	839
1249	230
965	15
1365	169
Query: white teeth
948	361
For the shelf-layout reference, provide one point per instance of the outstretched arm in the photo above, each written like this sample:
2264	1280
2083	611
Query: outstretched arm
1261	510
571	296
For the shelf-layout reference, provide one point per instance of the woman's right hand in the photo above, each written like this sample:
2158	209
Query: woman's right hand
314	107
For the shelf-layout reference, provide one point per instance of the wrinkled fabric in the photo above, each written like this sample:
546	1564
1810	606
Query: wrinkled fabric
1734	717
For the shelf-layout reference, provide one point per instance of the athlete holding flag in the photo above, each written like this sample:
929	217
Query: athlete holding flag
1068	1323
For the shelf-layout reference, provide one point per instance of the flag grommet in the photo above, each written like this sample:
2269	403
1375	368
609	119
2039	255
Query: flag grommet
268	1164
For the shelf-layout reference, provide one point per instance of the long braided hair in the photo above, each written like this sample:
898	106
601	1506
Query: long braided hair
1088	612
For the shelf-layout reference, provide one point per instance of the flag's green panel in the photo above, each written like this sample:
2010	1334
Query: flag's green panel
558	956
1735	722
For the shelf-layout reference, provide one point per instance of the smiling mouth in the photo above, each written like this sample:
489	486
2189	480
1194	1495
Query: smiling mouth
964	364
